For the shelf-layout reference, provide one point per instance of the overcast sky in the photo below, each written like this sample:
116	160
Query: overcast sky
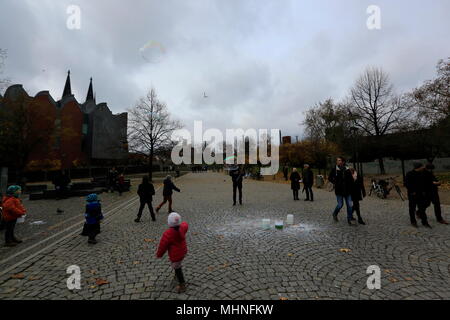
261	63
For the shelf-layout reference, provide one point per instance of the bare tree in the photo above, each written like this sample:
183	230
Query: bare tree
150	127
374	108
4	82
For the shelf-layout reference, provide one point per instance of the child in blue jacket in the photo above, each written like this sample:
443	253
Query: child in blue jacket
93	217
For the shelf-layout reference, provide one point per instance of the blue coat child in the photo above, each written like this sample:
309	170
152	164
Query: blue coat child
93	217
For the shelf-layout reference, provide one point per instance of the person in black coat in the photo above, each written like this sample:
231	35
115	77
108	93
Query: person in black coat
295	183
169	186
433	192
416	183
358	193
308	182
237	176
146	191
342	179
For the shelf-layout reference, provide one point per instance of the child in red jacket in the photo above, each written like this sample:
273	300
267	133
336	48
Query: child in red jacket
174	241
12	209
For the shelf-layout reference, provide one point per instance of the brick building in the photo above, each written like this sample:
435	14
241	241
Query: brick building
70	134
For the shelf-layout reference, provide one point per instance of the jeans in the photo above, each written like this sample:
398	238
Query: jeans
419	202
237	185
340	203
309	193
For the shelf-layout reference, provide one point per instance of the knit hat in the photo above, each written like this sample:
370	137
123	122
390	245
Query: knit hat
174	219
92	197
12	190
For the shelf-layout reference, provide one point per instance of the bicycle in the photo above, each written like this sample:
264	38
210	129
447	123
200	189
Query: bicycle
383	187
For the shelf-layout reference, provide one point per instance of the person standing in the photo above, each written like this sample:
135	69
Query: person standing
358	193
121	184
285	173
169	186
295	183
342	179
308	182
433	192
237	176
146	191
112	179
415	182
12	210
93	217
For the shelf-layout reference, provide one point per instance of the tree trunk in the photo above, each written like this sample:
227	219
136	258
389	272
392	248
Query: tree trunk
381	163
150	164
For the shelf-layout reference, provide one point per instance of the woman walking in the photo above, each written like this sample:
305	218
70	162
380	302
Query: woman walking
295	183
358	193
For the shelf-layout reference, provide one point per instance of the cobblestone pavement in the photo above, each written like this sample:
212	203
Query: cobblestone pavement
232	257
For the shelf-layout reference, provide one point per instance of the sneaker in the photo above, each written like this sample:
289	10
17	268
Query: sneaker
181	288
137	220
360	221
443	221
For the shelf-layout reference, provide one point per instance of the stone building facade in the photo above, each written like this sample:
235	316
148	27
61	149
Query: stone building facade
73	134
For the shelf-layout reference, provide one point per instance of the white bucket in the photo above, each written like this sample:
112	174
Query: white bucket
290	219
266	224
21	219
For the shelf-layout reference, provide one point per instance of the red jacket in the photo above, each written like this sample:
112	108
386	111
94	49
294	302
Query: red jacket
12	208
175	242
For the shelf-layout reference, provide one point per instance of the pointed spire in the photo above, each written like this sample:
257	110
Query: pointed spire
67	87
90	95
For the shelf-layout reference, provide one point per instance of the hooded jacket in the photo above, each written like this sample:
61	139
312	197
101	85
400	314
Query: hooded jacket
342	179
169	187
12	208
174	241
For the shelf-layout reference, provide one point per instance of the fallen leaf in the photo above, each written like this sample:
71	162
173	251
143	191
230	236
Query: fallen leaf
225	265
393	280
345	250
18	276
92	287
283	298
195	233
136	262
290	254
101	282
34	278
220	237
149	240
409	279
119	262
388	271
210	268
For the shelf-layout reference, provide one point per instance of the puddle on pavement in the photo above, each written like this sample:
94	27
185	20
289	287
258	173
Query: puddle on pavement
255	226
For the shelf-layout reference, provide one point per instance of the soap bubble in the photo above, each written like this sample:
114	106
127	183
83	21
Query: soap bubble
152	52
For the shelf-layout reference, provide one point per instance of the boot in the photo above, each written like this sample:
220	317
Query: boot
360	221
181	288
137	220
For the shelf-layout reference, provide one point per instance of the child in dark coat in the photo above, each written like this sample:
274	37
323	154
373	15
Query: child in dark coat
169	186
93	217
174	241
